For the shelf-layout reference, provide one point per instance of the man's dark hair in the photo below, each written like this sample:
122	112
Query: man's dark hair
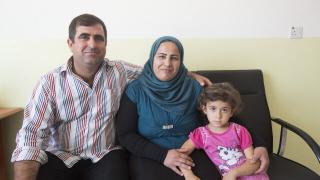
85	20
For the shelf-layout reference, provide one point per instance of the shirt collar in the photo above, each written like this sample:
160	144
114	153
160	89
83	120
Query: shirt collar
69	65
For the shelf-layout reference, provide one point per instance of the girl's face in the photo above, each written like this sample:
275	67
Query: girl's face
218	114
166	62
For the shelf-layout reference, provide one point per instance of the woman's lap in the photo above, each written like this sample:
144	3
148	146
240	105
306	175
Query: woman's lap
145	169
204	167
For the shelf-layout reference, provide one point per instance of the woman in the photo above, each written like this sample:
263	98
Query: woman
156	115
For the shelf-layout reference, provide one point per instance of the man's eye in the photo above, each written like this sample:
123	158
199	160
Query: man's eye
99	38
83	37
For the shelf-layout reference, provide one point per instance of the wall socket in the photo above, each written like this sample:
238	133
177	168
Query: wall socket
296	32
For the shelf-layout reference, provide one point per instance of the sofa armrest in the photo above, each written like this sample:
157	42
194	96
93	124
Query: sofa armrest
305	136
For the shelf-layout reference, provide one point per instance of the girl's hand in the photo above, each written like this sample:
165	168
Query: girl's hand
192	178
229	176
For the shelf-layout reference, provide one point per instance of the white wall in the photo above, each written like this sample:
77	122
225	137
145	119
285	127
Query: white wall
147	18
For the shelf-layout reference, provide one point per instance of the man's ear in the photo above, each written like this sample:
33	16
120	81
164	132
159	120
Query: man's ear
70	42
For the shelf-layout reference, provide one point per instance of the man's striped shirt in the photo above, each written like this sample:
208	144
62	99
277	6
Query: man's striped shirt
68	118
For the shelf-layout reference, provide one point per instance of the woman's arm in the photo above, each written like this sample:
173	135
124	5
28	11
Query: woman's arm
247	168
126	124
260	152
127	132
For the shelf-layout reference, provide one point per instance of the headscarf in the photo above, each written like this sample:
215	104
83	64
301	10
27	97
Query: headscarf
173	95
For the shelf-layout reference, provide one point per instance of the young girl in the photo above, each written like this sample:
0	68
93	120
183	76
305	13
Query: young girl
228	145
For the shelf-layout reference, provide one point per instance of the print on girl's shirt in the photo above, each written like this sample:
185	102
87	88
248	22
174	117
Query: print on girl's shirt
231	157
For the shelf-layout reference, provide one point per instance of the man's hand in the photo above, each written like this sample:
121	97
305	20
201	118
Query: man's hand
176	158
261	153
26	170
203	81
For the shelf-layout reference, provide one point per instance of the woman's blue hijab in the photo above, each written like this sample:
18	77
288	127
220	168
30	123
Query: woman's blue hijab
175	95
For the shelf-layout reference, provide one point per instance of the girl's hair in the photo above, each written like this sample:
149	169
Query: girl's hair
221	91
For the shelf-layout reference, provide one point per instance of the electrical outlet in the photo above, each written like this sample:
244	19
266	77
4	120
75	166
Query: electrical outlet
296	32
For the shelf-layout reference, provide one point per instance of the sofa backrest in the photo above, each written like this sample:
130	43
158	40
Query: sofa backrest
255	112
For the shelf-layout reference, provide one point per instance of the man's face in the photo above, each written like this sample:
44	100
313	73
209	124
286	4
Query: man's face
89	46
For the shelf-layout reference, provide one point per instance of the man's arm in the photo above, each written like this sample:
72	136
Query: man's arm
26	170
132	71
203	81
32	137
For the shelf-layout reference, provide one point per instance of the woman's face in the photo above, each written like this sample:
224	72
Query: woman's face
166	62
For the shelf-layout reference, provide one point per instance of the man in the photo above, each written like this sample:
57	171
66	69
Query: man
68	126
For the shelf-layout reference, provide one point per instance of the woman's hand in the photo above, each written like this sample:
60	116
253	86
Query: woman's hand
261	153
176	158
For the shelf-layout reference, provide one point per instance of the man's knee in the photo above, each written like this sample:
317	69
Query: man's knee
55	169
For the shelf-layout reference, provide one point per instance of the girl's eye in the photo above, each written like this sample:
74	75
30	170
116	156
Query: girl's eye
226	110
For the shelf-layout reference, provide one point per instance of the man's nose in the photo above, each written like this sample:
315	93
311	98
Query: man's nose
91	42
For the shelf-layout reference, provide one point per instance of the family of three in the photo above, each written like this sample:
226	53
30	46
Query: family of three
94	118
